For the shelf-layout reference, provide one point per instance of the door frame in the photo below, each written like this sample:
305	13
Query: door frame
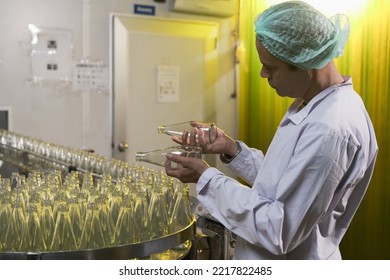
122	23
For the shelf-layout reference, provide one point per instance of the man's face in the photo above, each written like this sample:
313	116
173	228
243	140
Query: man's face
285	79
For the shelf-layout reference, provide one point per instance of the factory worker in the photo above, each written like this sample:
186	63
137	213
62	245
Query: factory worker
302	194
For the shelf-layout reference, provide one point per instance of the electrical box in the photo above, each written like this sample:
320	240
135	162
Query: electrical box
220	8
4	118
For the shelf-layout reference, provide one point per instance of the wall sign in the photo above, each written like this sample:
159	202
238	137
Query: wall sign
168	84
51	54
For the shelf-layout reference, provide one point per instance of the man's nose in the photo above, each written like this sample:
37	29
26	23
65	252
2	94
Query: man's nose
264	73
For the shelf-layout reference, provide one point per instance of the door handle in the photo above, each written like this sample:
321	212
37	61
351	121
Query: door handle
122	146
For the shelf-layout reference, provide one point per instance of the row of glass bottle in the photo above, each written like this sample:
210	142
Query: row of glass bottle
45	155
49	212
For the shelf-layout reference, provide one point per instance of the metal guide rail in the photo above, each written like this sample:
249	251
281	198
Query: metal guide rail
27	161
172	246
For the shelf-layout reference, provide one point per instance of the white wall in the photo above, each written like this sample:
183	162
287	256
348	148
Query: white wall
53	111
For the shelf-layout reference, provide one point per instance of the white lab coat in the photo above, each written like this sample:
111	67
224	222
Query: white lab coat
306	189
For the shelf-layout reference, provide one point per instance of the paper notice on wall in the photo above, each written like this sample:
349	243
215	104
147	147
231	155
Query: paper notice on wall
90	75
168	84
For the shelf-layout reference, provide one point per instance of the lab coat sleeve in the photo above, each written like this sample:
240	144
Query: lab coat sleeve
303	193
247	163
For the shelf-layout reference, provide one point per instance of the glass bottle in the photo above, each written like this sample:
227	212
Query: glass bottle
114	205
209	128
63	236
87	181
158	157
5	184
15	229
106	222
141	215
60	198
46	219
158	215
168	193
17	180
181	215
5	216
32	238
82	198
19	190
125	231
34	198
75	218
92	235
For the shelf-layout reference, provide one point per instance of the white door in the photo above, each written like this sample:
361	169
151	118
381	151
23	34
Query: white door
163	72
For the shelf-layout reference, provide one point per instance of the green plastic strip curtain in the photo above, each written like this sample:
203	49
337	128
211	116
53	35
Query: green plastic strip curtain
367	59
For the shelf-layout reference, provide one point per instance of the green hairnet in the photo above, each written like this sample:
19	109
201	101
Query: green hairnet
300	35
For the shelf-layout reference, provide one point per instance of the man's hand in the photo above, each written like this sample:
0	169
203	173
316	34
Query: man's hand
188	170
222	144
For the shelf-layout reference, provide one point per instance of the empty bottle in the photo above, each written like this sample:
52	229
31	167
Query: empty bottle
32	238
46	219
181	215
63	237
209	128
125	231
75	218
158	215
5	216
92	236
158	157
15	229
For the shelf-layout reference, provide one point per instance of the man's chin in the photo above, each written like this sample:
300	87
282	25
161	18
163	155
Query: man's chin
279	93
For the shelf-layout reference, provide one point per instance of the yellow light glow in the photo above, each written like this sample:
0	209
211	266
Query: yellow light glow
331	7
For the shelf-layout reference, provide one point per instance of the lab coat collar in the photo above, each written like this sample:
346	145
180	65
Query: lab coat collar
296	116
